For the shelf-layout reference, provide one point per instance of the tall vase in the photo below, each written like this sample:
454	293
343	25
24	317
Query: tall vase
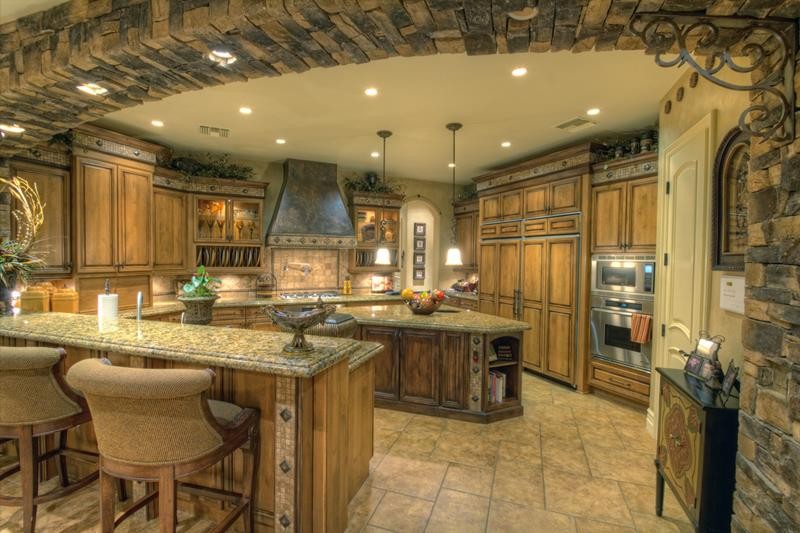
6	291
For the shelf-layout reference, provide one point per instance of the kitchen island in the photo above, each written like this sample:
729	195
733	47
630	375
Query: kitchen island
316	420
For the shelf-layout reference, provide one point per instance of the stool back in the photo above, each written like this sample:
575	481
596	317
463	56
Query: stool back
32	390
147	416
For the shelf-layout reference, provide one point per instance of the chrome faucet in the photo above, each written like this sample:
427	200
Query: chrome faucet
139	302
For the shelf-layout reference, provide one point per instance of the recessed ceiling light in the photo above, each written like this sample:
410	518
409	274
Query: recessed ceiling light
12	128
375	154
157	123
593	111
505	144
93	89
280	141
221	57
371	91
244	110
519	72
451	165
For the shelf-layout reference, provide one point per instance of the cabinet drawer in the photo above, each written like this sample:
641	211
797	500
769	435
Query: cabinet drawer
534	227
228	313
621	381
508	229
560	225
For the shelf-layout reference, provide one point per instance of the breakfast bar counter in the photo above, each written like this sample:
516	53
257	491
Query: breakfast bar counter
315	418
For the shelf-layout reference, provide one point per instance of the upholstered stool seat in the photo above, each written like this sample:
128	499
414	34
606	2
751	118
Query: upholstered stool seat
158	426
34	402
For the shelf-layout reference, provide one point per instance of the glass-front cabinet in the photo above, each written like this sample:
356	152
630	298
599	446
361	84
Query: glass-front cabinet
223	220
376	219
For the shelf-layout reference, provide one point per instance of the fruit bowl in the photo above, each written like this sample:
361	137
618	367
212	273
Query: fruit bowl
424	303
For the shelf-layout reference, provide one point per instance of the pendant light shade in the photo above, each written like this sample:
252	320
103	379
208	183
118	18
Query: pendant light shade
382	255
453	253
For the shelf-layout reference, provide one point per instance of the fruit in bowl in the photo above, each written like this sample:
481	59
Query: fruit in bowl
422	303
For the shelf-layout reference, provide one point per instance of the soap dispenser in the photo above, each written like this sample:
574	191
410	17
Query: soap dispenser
107	303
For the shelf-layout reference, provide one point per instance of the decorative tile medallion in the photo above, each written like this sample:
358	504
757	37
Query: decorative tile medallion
285	451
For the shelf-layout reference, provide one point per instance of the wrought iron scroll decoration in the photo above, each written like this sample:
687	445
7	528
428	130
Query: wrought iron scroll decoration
770	116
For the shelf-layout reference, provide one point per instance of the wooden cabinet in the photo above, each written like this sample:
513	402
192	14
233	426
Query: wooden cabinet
501	206
127	286
555	197
466	217
387	384
454	370
376	219
490	208
499	278
171	227
624	216
113	210
53	241
419	366
620	380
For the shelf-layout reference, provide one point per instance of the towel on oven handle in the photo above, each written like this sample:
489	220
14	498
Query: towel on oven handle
641	328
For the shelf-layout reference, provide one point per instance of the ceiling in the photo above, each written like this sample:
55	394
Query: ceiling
14	9
324	115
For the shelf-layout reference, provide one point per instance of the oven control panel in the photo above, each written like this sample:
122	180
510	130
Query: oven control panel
475	372
649	276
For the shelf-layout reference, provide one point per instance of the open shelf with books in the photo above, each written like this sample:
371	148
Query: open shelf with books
503	372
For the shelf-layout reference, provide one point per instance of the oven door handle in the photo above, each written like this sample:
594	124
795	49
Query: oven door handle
611	312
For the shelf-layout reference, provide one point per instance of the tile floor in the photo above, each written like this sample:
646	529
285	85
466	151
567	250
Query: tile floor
573	463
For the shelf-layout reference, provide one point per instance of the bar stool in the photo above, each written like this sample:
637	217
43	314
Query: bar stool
158	426
34	402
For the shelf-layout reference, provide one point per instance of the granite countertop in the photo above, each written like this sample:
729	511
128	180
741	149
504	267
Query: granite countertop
169	308
458	294
445	319
255	351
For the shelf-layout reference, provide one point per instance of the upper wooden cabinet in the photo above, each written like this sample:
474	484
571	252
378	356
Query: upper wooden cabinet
113	212
53	241
555	197
624	216
501	206
466	215
171	229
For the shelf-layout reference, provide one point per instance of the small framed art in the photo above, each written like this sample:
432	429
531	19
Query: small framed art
419	259
419	244
419	274
419	229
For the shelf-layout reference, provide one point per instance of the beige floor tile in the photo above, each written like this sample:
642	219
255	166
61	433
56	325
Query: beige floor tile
462	427
373	529
401	513
471	479
458	512
621	464
519	484
384	439
412	477
461	448
586	525
599	499
375	461
431	424
636	437
642	499
519	430
392	420
560	431
362	506
506	517
416	444
521	453
599	434
650	523
566	456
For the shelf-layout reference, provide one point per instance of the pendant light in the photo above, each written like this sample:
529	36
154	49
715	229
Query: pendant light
382	255
453	253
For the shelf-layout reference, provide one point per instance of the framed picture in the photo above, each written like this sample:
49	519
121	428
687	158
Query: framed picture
729	197
419	244
694	365
419	274
730	378
419	259
419	229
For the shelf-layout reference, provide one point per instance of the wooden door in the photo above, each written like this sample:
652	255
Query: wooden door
560	308
134	208
95	215
511	204
508	278
490	208
419	366
560	352
454	370
565	196
533	294
386	362
466	232
641	215
170	229
53	242
487	268
535	200
608	218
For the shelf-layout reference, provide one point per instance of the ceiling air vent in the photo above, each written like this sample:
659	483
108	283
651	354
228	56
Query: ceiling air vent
576	124
211	131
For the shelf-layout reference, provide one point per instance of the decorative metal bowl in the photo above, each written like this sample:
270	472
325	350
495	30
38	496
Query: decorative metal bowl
423	307
297	322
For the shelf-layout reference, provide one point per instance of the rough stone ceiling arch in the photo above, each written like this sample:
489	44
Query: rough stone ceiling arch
143	50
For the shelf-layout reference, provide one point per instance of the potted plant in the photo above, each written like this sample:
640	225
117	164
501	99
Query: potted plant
199	296
17	262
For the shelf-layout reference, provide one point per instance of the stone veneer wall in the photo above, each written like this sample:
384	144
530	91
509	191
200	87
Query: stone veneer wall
768	464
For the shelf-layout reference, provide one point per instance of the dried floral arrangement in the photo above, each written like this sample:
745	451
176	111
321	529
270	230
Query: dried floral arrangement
370	183
215	166
16	259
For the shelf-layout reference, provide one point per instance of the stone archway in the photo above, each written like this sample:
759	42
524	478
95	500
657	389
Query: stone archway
142	50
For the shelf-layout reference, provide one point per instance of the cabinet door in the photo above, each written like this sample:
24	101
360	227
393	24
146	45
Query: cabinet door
560	352
490	208
560	305
95	209
210	219
454	370
386	362
561	269
641	215
532	339
170	212
134	208
536	200
419	366
608	218
52	242
245	221
465	238
487	268
565	196
508	269
533	294
511	204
